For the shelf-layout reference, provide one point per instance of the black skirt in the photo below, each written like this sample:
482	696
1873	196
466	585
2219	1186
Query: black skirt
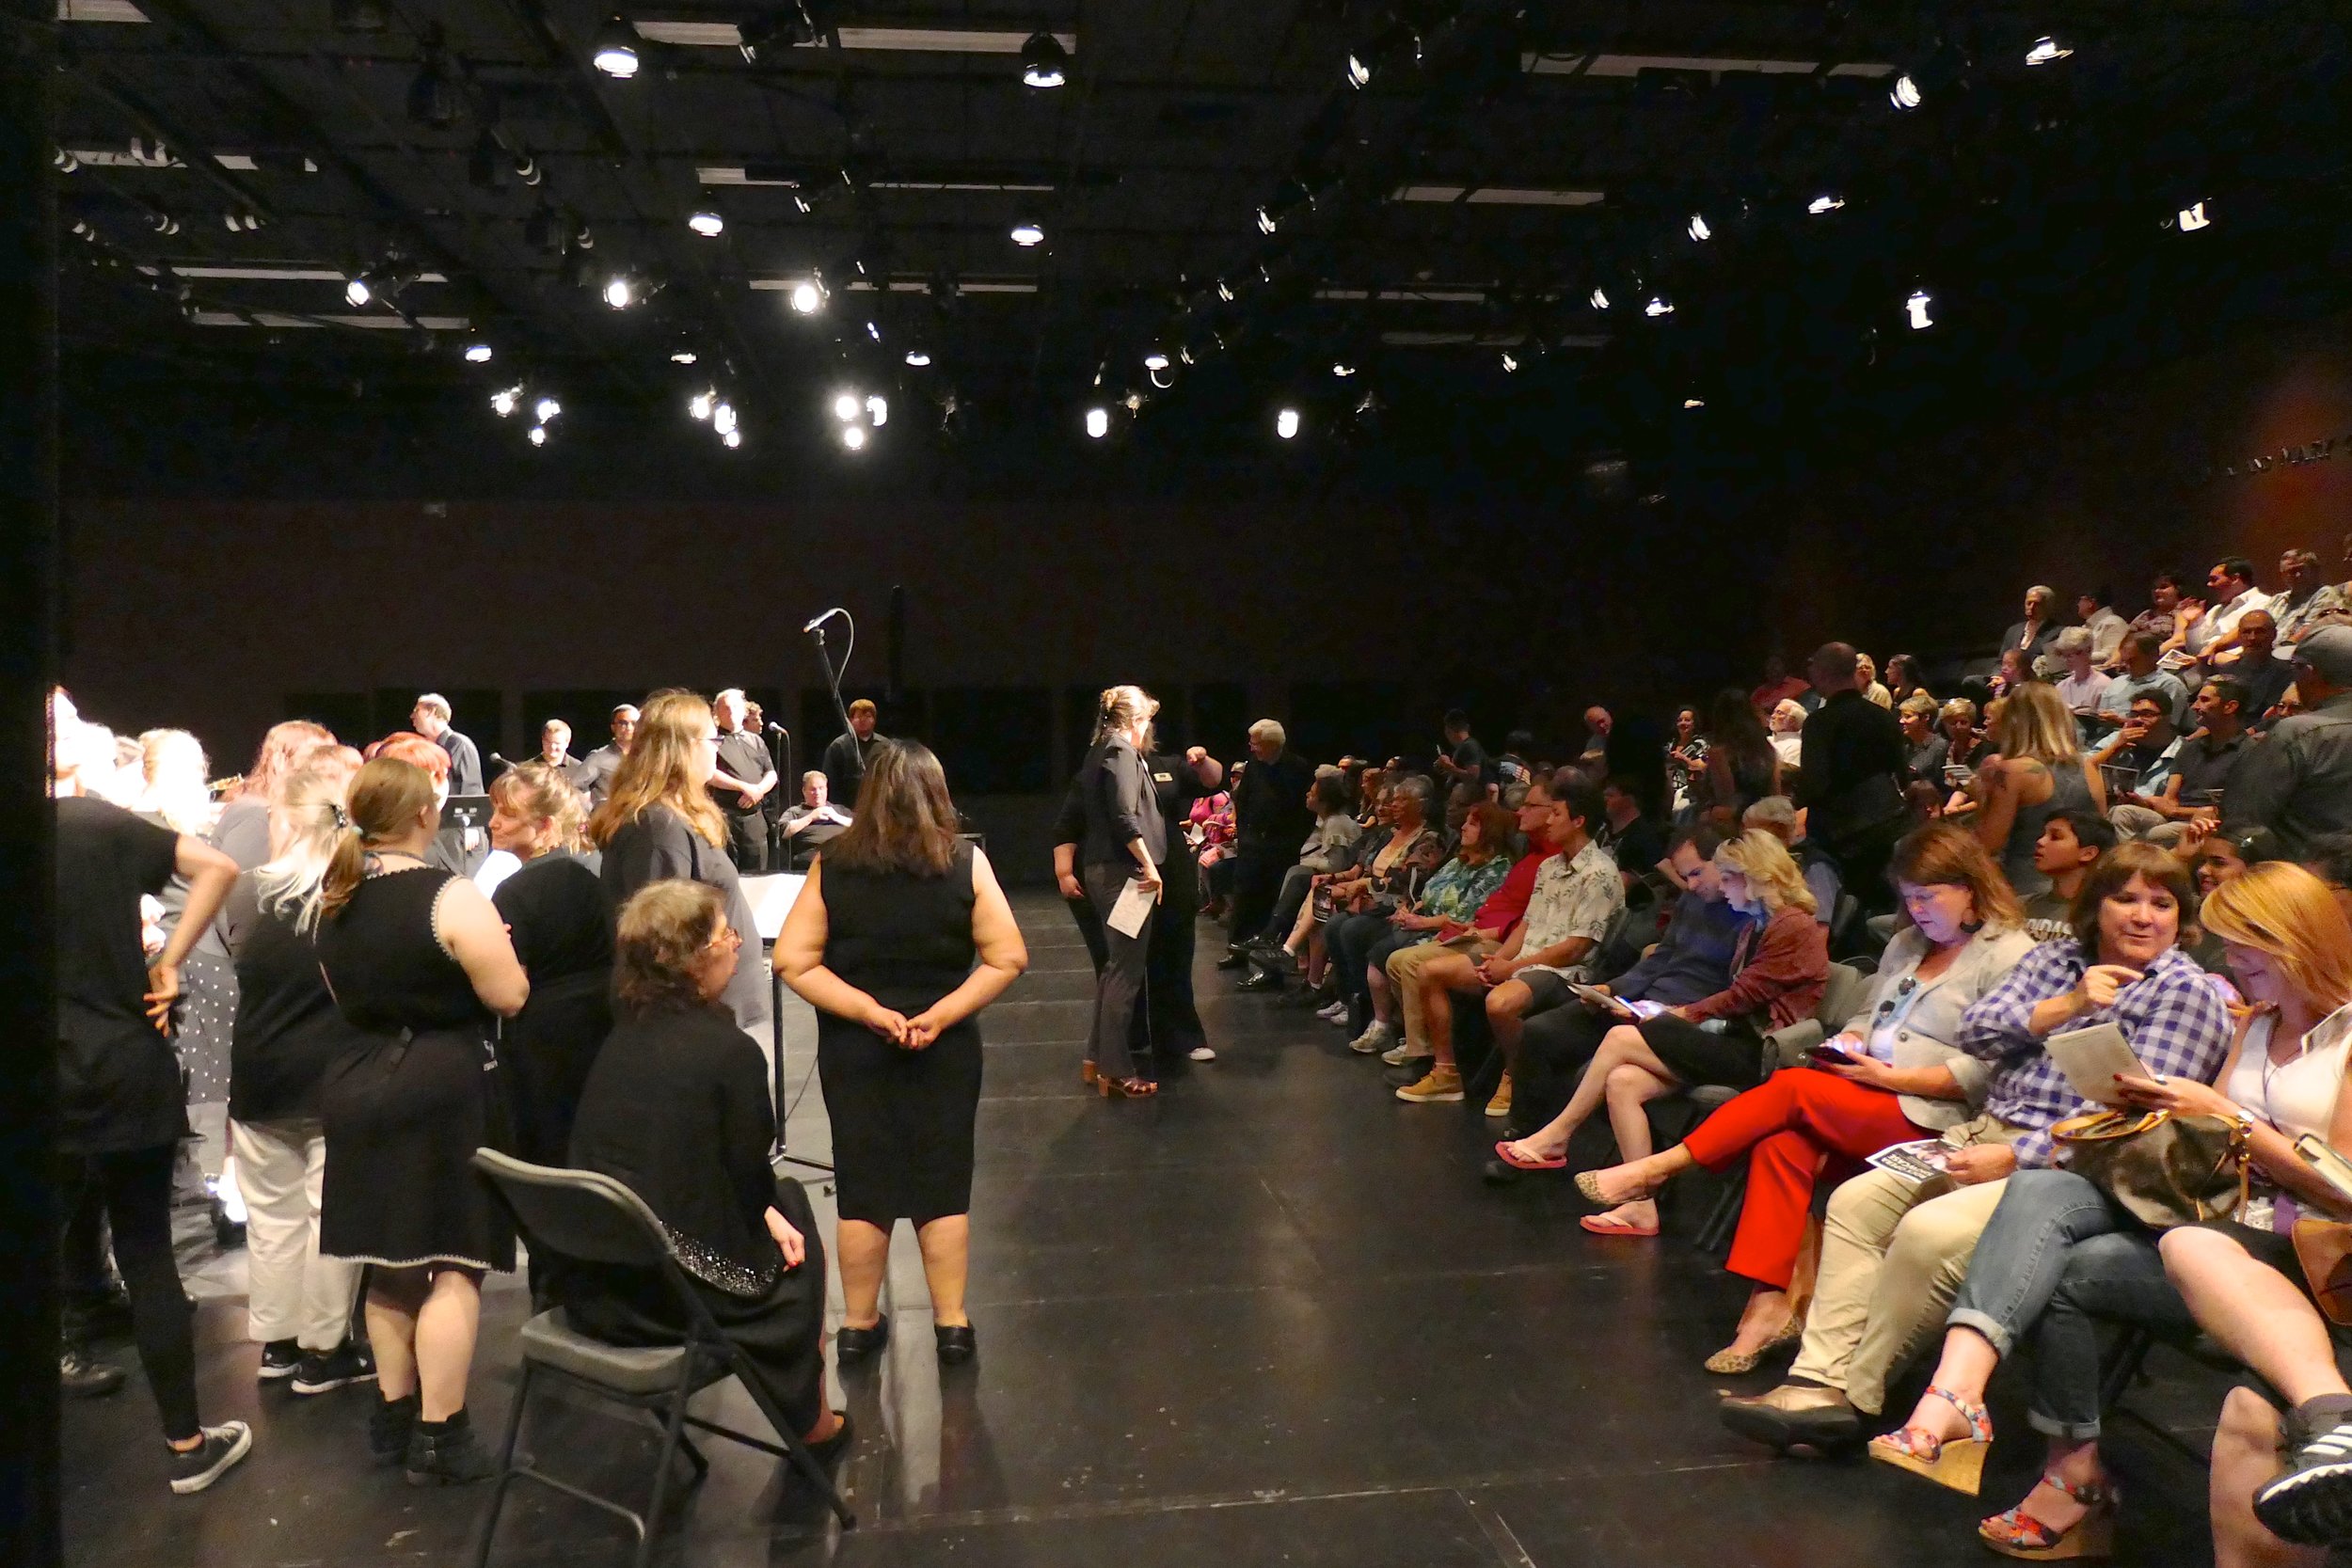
901	1120
1734	1058
403	1118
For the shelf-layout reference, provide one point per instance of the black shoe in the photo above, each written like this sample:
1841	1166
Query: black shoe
104	1315
444	1453
829	1453
82	1377
957	1342
1800	1418
1260	980
1500	1173
329	1371
855	1344
1234	959
281	1359
2311	1503
390	1425
201	1465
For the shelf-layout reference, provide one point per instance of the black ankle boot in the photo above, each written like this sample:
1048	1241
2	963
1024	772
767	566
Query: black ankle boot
444	1453
389	1427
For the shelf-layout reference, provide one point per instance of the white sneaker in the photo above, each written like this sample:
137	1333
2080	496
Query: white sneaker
1395	1055
1201	1054
1373	1038
1335	1013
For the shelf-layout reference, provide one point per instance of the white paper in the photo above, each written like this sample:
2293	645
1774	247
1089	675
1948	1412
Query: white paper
2091	1059
1913	1161
1133	909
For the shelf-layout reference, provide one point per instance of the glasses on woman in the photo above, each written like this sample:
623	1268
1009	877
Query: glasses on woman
1910	983
728	937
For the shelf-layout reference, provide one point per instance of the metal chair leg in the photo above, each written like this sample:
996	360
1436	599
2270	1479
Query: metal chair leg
672	1434
506	1468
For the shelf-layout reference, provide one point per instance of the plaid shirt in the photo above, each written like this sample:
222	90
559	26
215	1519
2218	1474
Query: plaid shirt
2172	1016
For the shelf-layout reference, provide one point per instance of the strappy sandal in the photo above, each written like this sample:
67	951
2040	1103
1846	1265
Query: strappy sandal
1954	1462
2014	1533
1125	1088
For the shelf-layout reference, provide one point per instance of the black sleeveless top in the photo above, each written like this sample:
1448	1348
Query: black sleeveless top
903	940
387	967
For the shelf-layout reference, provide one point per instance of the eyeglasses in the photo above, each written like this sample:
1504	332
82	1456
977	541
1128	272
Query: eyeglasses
728	937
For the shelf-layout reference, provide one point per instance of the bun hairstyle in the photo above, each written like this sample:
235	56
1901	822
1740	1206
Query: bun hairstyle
387	796
542	793
1120	707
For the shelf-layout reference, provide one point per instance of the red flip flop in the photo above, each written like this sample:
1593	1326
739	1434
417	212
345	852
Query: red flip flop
1520	1161
1600	1225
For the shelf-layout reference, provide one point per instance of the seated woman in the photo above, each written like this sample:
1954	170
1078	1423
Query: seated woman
1904	681
1362	945
2060	1254
675	1109
1332	850
1924	750
1779	966
1894	1251
1957	719
1391	864
1891	1075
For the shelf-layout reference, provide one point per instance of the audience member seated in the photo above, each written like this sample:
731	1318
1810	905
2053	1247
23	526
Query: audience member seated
817	820
1363	944
1851	782
1778	683
1893	1251
2136	763
676	1110
2202	763
1635	840
1330	850
1905	680
2035	769
2060	1255
1927	749
2213	637
1866	680
2084	681
2096	611
1511	766
1742	764
1787	725
1779	966
2267	678
2071	844
2142	673
2298	781
2016	669
1891	1075
2032	635
1778	815
2305	601
1686	758
1384	880
1961	741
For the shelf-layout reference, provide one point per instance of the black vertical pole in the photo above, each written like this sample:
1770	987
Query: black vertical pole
29	627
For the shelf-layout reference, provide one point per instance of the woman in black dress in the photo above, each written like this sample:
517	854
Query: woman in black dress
659	821
560	917
899	936
1125	842
676	1110
419	962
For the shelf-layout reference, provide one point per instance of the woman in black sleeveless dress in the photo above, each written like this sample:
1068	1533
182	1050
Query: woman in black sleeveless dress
883	942
419	962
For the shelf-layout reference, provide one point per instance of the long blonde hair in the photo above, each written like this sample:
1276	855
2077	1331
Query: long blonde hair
1772	874
385	796
2279	909
281	751
171	767
663	767
2035	724
306	828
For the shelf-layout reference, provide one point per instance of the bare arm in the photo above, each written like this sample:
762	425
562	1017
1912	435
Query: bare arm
211	875
1998	812
1002	957
799	962
469	926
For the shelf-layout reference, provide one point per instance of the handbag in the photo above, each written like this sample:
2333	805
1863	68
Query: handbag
2324	1247
2162	1169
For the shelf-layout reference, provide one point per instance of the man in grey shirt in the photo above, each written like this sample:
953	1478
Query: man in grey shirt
2299	782
430	718
596	769
2141	674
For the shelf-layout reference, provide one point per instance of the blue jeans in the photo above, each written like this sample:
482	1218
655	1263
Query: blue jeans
2056	1258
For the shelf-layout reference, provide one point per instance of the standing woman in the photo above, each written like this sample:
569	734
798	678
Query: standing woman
883	942
1741	766
1179	782
1125	839
418	959
2037	772
658	822
559	919
242	832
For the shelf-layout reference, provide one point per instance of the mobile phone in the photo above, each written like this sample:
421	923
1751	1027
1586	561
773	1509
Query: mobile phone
1826	1055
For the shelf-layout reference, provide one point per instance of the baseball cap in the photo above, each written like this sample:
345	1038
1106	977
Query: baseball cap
2329	653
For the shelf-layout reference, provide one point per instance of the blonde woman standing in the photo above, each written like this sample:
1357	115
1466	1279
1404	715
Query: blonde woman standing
2036	772
1125	842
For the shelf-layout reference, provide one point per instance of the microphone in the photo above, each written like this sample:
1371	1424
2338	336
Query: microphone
821	620
500	760
774	728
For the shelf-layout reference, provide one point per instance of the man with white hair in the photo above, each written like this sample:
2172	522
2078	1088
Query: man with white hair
745	776
430	718
2032	635
1270	819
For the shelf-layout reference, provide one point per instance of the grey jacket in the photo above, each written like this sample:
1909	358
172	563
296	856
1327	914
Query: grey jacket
1934	1022
2299	782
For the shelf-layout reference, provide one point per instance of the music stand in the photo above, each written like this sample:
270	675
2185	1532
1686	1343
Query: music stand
771	897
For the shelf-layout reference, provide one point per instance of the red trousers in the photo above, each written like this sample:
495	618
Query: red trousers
1789	1127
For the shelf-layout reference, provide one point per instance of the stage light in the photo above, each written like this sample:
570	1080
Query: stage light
1267	224
505	402
1359	73
1916	308
1342	369
1598	299
1824	203
873	331
1510	361
708	224
2193	217
1694	402
917	358
1659	305
478	353
732	439
538	435
1905	93
2046	50
807	298
878	410
1098	423
62	161
357	293
616	50
1155	360
723	418
853	437
698	406
1027	234
683	357
546	410
844	407
620	290
1697	228
1045	63
1224	290
1286	423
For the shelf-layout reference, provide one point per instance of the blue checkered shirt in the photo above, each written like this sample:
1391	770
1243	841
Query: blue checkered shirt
2173	1015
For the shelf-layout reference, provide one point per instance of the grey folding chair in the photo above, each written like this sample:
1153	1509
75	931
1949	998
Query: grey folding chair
594	1219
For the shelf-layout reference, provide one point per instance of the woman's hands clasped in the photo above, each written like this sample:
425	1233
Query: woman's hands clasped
909	1034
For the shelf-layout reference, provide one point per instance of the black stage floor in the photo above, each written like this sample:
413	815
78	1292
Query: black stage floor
1272	1317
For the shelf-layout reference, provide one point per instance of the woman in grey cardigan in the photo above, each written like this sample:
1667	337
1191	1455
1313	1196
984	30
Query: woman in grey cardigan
1891	1075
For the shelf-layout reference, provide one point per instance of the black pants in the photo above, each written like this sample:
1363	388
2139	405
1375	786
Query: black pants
134	1188
1257	870
747	841
1170	1018
1120	989
1090	932
1862	860
1556	1047
1297	883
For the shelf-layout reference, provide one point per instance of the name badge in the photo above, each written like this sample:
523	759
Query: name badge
1163	777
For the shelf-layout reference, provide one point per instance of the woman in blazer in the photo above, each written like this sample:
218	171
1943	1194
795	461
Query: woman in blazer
1892	1074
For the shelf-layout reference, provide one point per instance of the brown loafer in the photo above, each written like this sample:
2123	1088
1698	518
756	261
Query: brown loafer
1800	1418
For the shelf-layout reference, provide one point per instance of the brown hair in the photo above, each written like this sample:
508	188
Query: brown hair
863	704
1495	827
280	750
663	925
537	790
387	795
663	769
2282	910
904	820
1946	854
2110	873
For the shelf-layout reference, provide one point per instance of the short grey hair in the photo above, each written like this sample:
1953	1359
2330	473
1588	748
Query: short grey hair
1420	788
2074	639
2044	591
732	694
434	704
1269	730
1774	814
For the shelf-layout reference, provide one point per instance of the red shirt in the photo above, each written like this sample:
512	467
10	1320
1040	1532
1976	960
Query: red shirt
1766	698
1505	904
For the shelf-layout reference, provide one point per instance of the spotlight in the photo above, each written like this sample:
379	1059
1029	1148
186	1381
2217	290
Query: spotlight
1286	423
357	291
708	224
538	435
505	400
1659	305
723	418
1045	63
1098	423
682	356
2046	50
1267	224
853	437
616	50
1697	228
1224	290
1694	402
1825	202
807	298
873	331
62	161
546	410
2193	217
1027	234
1510	361
917	358
1155	360
699	405
845	406
478	353
1905	93
1342	369
619	292
732	439
878	410
1359	73
1598	299
1916	308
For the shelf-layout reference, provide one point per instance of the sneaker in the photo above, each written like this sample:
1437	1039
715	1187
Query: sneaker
1442	1085
2311	1503
324	1372
83	1376
1376	1036
1203	1053
446	1454
201	1465
1399	1053
1335	1013
1500	1104
279	1358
